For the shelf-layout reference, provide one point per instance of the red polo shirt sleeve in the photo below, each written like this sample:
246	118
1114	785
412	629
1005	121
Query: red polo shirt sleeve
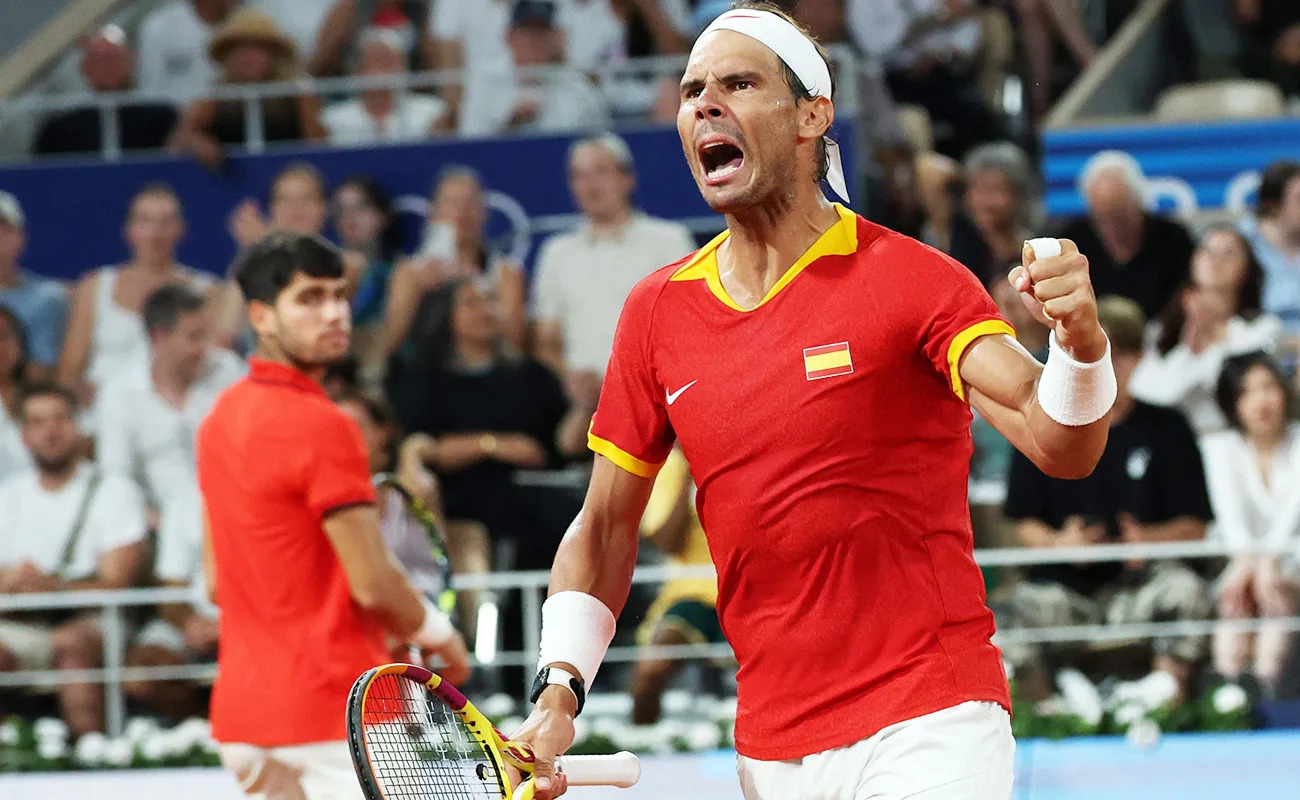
336	469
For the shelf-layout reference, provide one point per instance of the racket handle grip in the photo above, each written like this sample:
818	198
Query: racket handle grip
621	770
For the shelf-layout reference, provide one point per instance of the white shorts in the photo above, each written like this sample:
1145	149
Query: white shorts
30	644
327	771
961	753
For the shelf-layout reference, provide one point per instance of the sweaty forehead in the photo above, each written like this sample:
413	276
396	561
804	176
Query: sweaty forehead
727	52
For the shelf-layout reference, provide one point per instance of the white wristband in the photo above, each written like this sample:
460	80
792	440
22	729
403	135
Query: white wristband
576	629
437	628
1074	393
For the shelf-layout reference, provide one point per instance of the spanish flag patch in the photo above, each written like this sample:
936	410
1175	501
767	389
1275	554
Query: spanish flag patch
827	361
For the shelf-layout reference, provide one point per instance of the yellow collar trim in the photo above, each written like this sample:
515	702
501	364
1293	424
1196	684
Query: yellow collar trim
840	239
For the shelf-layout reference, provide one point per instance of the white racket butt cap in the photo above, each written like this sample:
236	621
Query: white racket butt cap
1046	247
621	770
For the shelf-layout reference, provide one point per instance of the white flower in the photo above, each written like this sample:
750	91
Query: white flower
50	728
156	747
1079	695
9	733
498	706
1129	713
92	748
1229	698
119	752
192	732
51	748
677	702
140	728
1144	733
599	705
727	709
1157	689
704	736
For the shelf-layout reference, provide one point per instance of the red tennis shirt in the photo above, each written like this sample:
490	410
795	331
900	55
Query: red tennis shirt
275	456
829	435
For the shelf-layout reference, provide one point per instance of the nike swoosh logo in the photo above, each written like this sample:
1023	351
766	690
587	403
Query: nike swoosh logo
672	396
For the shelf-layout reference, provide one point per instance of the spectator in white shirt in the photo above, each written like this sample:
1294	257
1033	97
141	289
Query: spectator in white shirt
173	47
150	415
106	335
1216	316
384	114
584	276
182	633
66	526
1253	474
539	92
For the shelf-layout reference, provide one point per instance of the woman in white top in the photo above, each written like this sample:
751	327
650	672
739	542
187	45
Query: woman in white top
1253	474
1215	316
106	335
14	456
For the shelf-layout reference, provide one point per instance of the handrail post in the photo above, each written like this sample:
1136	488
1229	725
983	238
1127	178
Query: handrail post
254	130
110	131
114	658
532	632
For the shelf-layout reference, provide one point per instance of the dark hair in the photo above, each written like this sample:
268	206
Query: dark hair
302	168
1272	186
382	414
264	269
164	308
1232	383
791	79
45	389
1249	295
432	332
20	332
377	196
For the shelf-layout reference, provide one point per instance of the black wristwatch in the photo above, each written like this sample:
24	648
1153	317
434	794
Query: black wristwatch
559	677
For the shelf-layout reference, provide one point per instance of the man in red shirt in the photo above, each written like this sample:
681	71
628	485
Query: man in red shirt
293	552
818	372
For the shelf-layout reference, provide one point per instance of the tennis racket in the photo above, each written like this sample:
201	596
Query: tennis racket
422	516
414	736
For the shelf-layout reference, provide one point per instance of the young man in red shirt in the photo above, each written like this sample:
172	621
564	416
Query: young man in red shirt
293	552
818	372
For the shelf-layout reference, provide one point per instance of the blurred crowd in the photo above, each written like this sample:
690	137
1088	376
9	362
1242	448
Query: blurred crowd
474	379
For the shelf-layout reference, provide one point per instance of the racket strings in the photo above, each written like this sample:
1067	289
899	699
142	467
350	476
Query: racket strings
420	749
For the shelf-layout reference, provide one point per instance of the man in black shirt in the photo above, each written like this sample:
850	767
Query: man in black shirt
1148	487
1132	253
107	63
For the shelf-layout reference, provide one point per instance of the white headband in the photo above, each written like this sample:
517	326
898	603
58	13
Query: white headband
798	53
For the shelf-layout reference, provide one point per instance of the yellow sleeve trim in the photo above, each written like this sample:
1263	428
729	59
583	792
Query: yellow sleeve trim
621	457
962	342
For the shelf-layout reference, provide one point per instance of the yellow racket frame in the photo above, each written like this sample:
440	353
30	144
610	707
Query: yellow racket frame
501	751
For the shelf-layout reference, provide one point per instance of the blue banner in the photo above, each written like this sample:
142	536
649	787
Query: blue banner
1192	166
75	208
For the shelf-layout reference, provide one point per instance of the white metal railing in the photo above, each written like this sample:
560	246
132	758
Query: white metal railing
251	95
112	604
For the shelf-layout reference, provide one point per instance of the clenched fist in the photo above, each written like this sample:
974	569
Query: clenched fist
1058	292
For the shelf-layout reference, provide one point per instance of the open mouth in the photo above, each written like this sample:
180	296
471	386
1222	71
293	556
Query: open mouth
720	159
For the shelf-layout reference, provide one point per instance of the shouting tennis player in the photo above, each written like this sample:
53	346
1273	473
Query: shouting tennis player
293	551
818	371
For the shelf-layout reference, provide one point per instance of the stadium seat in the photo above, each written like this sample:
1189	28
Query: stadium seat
1232	99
